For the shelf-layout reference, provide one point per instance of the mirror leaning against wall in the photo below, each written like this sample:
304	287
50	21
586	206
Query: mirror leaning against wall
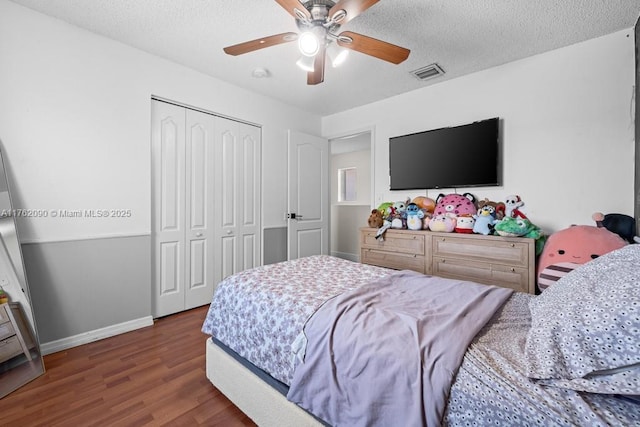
20	357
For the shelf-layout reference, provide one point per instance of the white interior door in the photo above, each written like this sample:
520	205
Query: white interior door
308	198
168	199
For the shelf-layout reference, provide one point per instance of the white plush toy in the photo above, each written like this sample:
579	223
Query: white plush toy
512	203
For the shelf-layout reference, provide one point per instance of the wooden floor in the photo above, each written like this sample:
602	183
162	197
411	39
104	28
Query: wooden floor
152	376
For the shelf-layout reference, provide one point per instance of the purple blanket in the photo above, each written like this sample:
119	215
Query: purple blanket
387	353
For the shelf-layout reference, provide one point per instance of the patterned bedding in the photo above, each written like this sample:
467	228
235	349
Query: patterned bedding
259	313
492	388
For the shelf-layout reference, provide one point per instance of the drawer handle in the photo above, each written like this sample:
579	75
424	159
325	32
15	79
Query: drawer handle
513	245
513	270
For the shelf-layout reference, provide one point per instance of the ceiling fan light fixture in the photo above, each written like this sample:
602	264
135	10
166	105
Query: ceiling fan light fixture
337	55
308	43
306	63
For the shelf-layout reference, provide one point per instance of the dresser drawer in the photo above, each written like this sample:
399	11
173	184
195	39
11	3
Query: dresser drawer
407	243
6	330
516	278
398	261
4	317
9	348
491	249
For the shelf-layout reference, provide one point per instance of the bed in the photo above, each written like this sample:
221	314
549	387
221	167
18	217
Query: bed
570	356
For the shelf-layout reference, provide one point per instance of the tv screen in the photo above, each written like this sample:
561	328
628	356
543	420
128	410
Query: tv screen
460	156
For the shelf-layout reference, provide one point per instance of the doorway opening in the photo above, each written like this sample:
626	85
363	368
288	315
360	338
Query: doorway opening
350	192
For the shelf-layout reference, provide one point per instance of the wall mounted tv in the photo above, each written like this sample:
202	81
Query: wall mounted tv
453	157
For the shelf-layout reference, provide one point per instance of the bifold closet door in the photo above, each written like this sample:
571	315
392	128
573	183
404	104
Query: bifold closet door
182	216
237	208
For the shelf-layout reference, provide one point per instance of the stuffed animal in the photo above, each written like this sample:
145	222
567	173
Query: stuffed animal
464	224
485	220
399	214
443	222
499	207
455	204
427	204
512	204
385	209
380	233
426	220
623	225
569	248
521	227
414	217
517	227
375	219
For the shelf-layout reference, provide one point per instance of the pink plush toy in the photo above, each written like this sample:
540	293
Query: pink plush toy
569	248
455	204
445	223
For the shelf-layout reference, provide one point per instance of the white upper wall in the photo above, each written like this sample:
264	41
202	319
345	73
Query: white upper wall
568	129
75	125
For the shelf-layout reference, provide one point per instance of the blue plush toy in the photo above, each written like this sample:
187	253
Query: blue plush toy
414	216
485	220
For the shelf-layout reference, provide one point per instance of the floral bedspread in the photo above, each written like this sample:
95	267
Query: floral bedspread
260	312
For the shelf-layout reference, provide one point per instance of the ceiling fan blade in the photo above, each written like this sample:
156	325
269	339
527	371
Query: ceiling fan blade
352	9
373	47
292	5
250	46
317	75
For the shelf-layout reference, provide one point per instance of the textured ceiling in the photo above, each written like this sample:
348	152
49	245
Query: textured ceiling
462	36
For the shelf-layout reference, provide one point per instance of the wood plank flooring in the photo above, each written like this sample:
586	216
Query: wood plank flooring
152	376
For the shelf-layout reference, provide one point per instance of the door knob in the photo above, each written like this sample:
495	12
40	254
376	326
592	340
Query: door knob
199	234
229	232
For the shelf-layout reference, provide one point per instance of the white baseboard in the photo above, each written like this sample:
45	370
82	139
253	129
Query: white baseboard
95	335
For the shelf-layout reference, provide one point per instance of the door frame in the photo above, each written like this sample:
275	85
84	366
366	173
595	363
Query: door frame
344	138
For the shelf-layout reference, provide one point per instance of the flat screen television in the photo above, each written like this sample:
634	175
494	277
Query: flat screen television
453	157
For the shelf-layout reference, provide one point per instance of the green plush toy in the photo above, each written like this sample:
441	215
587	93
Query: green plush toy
521	227
385	209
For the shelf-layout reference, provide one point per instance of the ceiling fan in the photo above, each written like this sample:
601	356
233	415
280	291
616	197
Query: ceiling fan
319	22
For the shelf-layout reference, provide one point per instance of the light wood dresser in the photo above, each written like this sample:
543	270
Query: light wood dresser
494	260
15	334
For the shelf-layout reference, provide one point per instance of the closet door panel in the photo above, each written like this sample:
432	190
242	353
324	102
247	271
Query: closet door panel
168	198
250	201
228	156
249	255
228	167
228	256
199	208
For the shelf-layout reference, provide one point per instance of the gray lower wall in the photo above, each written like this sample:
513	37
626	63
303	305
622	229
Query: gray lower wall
275	244
84	285
346	221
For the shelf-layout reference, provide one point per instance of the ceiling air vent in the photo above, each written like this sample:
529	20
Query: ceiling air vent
428	72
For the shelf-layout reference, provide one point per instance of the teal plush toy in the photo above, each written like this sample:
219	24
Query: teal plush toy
520	227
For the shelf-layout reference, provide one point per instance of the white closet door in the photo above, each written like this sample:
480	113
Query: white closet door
168	200
237	180
199	190
206	204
